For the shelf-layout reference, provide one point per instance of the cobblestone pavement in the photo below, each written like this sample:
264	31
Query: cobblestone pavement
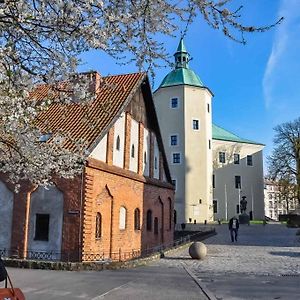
263	254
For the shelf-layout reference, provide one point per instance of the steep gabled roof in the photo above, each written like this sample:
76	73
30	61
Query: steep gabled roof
219	133
87	122
91	122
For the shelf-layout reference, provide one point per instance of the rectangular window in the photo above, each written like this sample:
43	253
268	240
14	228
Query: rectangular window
174	140
215	205
208	107
176	158
174	182
174	103
214	181
237	209
209	144
196	124
222	157
249	160
236	159
238	183
42	227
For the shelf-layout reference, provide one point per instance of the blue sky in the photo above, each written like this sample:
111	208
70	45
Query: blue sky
256	86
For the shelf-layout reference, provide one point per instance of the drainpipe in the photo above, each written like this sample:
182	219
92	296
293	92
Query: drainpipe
80	216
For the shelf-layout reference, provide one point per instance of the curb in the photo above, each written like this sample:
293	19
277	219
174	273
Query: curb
202	286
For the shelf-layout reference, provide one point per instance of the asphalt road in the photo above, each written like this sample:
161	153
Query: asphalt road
153	282
263	264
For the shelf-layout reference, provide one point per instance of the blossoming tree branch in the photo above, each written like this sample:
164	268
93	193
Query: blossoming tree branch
40	42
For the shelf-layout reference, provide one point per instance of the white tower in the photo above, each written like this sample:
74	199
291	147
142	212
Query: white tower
183	106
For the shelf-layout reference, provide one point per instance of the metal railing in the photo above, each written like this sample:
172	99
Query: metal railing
103	256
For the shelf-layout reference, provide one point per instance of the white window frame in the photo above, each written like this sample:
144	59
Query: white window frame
170	140
195	119
172	156
177	102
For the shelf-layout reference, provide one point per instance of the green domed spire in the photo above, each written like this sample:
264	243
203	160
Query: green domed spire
182	74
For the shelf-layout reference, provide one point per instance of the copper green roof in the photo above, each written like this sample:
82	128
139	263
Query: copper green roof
218	133
181	76
181	47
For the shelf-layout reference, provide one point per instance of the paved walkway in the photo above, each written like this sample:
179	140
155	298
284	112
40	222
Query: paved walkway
263	255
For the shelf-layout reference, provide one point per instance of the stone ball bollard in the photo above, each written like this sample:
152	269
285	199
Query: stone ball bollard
198	250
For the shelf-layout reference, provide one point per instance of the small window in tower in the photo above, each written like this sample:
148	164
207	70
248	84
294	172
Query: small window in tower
132	151
174	140
208	108
184	58
196	124
174	103
176	158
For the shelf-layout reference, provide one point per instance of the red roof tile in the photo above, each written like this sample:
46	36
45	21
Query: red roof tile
87	121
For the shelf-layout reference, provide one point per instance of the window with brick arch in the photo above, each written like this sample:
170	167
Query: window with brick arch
122	218
149	219
137	216
98	232
170	213
155	225
118	143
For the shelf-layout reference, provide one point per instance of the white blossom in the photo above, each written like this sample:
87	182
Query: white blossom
40	41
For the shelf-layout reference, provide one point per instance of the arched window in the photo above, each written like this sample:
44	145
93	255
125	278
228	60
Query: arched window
132	151
145	157
118	143
149	220
122	218
155	225
170	213
98	232
137	219
175	216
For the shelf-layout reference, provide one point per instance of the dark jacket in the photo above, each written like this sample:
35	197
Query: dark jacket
231	221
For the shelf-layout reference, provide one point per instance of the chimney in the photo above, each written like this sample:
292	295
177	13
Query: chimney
92	79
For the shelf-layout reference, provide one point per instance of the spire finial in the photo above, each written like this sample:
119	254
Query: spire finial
181	56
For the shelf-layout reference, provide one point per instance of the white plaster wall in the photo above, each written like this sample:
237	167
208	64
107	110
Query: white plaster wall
146	148
119	130
6	214
47	201
100	150
134	140
251	177
198	156
171	121
156	157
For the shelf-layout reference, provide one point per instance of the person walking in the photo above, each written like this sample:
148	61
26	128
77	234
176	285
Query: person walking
234	228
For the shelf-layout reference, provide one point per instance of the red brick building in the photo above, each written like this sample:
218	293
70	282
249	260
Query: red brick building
121	205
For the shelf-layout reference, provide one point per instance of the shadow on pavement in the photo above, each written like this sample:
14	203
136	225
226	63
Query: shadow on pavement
285	253
177	258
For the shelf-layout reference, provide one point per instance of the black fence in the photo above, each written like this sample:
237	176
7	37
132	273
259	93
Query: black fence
105	257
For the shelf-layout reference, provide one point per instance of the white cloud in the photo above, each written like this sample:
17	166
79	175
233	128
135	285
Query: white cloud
283	62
